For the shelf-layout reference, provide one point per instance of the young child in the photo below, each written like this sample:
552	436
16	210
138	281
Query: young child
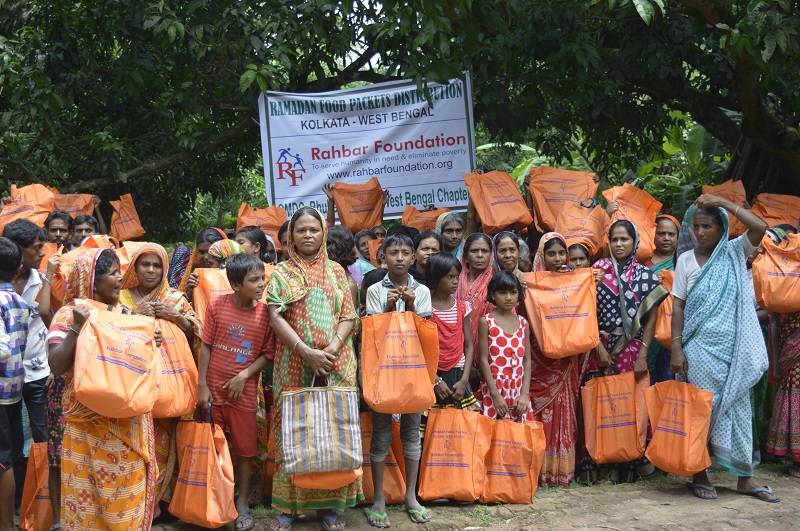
15	316
452	318
505	350
237	342
398	291
362	265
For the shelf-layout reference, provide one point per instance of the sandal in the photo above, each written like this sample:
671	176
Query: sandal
704	492
333	522
282	523
419	516
245	521
763	493
376	519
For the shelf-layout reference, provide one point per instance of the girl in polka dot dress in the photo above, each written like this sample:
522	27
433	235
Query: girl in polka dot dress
505	352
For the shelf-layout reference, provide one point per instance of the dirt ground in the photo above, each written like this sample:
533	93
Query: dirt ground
658	503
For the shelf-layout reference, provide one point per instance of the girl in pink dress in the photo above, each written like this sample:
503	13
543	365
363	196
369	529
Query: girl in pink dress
505	352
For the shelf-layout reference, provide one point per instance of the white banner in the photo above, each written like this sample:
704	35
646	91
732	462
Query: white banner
419	153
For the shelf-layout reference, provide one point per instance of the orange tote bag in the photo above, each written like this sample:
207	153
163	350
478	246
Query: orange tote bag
732	191
422	220
776	275
641	209
210	283
37	194
394	485
269	219
453	464
36	511
614	418
776	209
49	249
360	206
374	246
663	333
177	393
399	356
204	491
497	201
514	462
576	221
117	366
125	223
562	310
21	209
680	417
552	189
75	204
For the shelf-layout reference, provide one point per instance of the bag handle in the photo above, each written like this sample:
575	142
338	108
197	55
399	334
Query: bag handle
203	413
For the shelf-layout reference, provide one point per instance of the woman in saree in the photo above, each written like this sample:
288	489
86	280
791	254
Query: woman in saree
783	440
145	288
555	383
199	258
627	295
664	258
507	253
312	314
476	273
451	226
716	339
108	467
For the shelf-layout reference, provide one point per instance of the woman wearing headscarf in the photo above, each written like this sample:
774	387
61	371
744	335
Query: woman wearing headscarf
108	468
220	251
312	314
554	383
205	238
146	290
451	226
717	339
473	281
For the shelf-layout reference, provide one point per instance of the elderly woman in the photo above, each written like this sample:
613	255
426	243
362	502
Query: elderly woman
451	226
716	336
312	314
108	470
146	290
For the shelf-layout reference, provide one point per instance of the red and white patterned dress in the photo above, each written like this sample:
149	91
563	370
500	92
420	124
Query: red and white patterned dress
506	356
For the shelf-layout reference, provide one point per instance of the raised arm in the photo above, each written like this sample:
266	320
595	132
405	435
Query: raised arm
756	227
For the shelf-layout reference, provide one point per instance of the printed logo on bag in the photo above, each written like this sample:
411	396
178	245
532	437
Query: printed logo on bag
290	166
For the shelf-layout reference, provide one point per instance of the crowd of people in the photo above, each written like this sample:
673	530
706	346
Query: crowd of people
292	321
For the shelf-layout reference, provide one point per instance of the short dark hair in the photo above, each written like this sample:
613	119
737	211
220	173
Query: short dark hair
10	259
439	265
83	219
397	240
364	233
104	262
426	235
341	246
58	214
238	265
208	235
504	281
255	235
372	277
24	233
411	232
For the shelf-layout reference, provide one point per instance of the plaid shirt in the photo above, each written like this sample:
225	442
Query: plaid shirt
15	316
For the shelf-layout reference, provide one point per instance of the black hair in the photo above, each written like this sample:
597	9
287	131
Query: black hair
256	235
238	265
533	237
24	233
283	230
83	219
426	235
551	242
208	235
307	211
372	277
10	259
625	224
504	281
364	233
398	239
790	229
583	248
104	262
58	214
439	265
712	212
411	232
507	234
475	236
341	246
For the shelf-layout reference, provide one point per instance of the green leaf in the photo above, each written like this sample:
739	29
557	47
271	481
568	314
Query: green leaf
247	79
769	47
645	9
172	32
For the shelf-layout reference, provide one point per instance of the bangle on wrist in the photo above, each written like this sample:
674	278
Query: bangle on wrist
339	338
76	332
438	381
294	347
676	338
736	212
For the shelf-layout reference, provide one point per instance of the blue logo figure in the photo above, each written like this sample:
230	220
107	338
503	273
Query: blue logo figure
287	168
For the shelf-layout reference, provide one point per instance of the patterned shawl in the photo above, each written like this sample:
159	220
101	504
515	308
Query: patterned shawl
621	312
178	264
475	293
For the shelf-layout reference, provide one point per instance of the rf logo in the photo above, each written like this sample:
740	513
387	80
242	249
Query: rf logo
290	166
